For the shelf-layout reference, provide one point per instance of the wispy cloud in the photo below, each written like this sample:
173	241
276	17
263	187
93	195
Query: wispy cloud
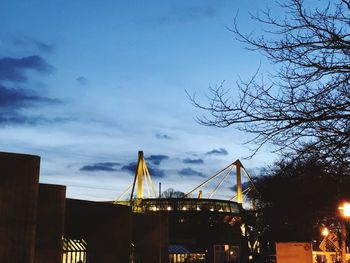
153	170
220	151
14	69
104	166
180	15
14	118
44	47
193	161
162	136
156	159
82	80
190	172
187	14
29	42
130	167
245	186
14	99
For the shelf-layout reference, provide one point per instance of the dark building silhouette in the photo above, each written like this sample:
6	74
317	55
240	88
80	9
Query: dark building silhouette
50	223
36	220
104	227
19	186
39	225
150	237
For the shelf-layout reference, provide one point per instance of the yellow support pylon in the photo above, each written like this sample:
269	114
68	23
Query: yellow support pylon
142	176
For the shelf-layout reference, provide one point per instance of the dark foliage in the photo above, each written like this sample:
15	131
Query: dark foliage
296	198
171	193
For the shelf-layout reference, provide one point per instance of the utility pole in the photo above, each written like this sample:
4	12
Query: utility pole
345	214
343	241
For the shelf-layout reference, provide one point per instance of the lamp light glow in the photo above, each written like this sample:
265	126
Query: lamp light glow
345	208
325	231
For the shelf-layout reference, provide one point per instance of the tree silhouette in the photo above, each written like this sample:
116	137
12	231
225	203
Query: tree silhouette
306	102
171	193
295	198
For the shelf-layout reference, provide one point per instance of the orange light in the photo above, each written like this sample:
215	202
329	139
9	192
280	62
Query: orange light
345	209
325	231
226	247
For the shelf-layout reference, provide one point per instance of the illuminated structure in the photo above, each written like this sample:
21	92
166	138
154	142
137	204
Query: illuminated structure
190	229
38	223
345	208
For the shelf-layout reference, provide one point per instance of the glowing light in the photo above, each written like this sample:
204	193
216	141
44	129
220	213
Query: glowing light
198	208
211	209
226	247
325	231
168	208
346	209
184	208
221	210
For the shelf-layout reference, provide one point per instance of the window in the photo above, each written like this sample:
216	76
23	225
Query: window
74	250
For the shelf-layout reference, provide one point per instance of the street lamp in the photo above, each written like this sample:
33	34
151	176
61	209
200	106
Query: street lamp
325	231
345	214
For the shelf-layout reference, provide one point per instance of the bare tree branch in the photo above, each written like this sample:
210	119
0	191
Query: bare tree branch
307	100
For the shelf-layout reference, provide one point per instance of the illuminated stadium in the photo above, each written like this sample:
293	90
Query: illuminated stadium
190	229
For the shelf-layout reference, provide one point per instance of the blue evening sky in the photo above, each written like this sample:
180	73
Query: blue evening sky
86	84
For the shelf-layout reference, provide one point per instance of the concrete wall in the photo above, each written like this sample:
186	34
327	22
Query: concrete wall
105	227
19	177
150	237
50	223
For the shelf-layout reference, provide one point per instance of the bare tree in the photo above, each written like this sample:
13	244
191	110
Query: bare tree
171	193
307	100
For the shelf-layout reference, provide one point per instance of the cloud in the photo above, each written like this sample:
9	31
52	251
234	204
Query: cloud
245	186
154	171
14	69
82	80
156	159
190	172
130	167
187	14
162	136
15	99
44	47
14	118
39	45
220	151
105	166
20	98
193	161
